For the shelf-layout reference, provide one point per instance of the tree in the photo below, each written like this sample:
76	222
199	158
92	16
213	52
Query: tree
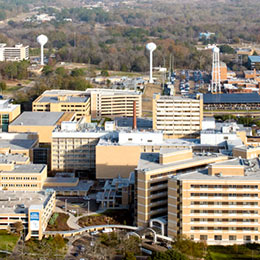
104	73
3	85
77	73
59	241
129	256
18	226
47	70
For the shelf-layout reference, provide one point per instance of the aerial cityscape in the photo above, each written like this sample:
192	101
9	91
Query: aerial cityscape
130	129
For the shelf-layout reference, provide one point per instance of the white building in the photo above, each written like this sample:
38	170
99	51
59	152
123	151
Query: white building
16	53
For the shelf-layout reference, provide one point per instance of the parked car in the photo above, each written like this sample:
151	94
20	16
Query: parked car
94	233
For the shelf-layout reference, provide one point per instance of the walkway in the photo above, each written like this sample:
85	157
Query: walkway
88	229
72	221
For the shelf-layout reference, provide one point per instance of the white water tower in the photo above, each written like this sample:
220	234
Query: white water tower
42	40
215	74
151	47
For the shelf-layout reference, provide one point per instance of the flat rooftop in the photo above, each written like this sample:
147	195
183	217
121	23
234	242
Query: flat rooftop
83	185
232	162
10	201
17	144
69	99
239	98
166	142
27	168
9	158
150	161
38	118
179	98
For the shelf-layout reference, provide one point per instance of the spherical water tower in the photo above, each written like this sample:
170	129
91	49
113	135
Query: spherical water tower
42	40
151	47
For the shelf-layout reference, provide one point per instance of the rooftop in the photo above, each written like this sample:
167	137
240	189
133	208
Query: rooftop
69	99
38	118
83	185
11	201
10	158
241	98
150	161
27	168
254	58
17	144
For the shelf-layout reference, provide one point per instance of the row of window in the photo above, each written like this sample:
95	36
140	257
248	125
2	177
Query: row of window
224	186
20	178
226	228
230	238
224	211
224	203
223	195
19	185
223	220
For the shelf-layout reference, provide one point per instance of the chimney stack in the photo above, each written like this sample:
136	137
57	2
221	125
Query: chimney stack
134	116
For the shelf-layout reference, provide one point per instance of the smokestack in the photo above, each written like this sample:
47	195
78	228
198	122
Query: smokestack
134	116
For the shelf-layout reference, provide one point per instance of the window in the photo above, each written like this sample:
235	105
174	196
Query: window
247	238
203	237
232	238
218	237
192	237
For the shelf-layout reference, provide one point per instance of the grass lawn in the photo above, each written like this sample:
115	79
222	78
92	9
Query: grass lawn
240	252
7	241
12	89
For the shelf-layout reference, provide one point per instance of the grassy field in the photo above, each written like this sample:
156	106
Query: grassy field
7	241
240	252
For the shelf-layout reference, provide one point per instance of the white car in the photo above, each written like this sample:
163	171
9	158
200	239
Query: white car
94	233
107	230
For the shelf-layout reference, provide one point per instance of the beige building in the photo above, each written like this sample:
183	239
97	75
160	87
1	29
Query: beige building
42	123
152	174
33	209
17	173
73	147
16	53
219	206
111	159
8	112
114	103
177	116
246	152
64	101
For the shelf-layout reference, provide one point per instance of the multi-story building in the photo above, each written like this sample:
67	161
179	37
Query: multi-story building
217	206
153	173
254	62
111	151
73	147
177	116
117	193
33	209
16	53
42	123
17	173
99	102
114	102
64	101
8	112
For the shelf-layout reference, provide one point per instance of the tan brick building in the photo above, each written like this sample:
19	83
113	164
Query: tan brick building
177	116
